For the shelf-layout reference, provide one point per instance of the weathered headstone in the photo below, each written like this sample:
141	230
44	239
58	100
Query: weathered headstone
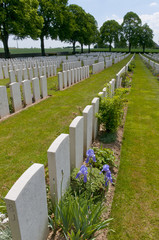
76	142
69	78
12	76
72	76
65	78
59	166
4	106
43	86
27	205
75	75
19	75
95	103
60	81
36	89
16	96
88	122
27	95
25	74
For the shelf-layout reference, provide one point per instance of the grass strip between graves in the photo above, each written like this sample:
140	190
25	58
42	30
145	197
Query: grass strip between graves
25	137
135	206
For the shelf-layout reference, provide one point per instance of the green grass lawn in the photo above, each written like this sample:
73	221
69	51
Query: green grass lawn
69	50
135	208
26	136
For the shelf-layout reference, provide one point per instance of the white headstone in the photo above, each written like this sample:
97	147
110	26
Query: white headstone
25	73
16	96
78	75
65	78
72	77
19	75
59	166
88	122
76	142
69	78
27	205
1	72
27	95
5	70
75	75
60	81
12	76
4	106
43	86
95	103
36	89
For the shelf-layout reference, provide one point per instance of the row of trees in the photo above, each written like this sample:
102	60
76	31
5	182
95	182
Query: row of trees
46	18
130	32
58	20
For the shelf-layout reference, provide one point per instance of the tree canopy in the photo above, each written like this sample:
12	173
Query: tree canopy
19	18
109	32
131	28
53	13
146	36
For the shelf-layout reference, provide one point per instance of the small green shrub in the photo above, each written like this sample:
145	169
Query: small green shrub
110	113
104	156
96	181
131	66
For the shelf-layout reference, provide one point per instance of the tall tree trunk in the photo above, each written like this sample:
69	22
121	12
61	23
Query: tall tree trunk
89	48
129	46
143	48
81	47
5	44
74	50
42	45
110	47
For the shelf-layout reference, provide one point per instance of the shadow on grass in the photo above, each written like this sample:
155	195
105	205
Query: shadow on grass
107	137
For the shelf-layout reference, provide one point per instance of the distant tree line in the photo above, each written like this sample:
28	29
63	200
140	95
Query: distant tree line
40	19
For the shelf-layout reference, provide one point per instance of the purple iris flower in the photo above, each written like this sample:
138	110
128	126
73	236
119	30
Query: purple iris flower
83	171
108	176
90	154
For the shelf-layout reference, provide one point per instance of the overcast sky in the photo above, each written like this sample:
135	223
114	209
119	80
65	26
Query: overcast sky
104	10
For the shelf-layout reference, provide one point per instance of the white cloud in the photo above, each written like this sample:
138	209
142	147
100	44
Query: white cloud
153	21
153	4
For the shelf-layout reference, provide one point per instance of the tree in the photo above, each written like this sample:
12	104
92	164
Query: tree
92	33
79	29
19	18
146	36
109	32
53	13
131	28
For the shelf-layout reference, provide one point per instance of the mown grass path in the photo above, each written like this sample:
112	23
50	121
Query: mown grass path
135	206
25	137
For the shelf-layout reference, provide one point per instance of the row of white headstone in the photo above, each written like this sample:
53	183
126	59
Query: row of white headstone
70	77
28	97
48	67
151	63
123	70
153	56
98	67
26	201
70	65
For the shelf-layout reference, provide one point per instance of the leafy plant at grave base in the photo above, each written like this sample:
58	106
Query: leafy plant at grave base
121	92
104	156
5	232
108	89
96	180
11	105
110	113
131	66
78	217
